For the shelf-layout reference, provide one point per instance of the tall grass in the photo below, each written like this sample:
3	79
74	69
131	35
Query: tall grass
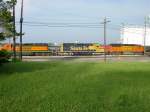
75	87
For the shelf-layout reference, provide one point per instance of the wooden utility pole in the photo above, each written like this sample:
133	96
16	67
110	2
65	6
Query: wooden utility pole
14	33
145	34
21	22
105	38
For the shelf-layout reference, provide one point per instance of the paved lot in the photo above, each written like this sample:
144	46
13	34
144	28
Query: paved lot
88	58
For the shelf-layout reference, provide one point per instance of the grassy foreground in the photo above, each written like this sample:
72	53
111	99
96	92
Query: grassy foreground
75	87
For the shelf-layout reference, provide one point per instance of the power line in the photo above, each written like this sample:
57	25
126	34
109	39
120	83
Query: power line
33	22
77	26
65	19
61	25
65	26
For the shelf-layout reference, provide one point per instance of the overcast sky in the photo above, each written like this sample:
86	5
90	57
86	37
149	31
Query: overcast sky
80	11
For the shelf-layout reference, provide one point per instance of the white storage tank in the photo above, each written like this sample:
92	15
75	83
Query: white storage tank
135	35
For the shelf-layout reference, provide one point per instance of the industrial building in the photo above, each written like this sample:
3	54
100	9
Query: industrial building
137	35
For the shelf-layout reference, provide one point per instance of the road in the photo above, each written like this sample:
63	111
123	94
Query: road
88	58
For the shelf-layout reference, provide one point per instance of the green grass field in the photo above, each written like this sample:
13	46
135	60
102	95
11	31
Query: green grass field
75	87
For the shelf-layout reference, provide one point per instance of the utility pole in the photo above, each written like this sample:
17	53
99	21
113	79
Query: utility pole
21	22
14	33
145	34
105	38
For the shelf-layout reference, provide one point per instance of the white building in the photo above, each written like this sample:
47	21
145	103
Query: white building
135	35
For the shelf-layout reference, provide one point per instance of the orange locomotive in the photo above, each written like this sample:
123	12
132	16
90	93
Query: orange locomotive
27	49
125	49
6	47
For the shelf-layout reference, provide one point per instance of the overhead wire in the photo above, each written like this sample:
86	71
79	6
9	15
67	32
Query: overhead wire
74	25
62	24
65	26
34	22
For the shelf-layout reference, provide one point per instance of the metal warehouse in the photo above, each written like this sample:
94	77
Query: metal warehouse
135	35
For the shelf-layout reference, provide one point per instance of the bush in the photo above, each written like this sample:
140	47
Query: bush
4	56
15	60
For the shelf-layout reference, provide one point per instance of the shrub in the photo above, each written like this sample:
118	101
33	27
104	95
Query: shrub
4	56
16	60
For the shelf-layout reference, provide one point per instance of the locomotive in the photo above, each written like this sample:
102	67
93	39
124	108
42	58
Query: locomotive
34	49
74	49
97	49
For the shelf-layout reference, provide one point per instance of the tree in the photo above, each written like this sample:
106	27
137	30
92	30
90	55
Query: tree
6	19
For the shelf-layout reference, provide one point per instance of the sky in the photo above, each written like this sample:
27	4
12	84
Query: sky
79	11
